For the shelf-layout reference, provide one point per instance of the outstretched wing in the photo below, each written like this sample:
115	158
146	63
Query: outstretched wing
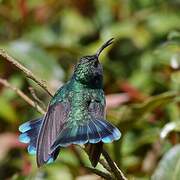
52	125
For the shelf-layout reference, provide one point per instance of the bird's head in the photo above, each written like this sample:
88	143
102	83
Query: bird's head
89	70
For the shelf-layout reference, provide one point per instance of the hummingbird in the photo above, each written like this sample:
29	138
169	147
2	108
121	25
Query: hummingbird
75	116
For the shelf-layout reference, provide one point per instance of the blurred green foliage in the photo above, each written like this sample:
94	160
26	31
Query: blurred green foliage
49	36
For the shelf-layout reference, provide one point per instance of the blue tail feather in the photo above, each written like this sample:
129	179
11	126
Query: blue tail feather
106	134
31	149
115	131
76	135
82	135
93	132
30	125
24	127
24	138
108	131
29	134
50	160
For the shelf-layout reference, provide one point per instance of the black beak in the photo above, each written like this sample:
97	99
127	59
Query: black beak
106	44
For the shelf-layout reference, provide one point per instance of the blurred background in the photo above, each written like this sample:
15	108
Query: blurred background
141	80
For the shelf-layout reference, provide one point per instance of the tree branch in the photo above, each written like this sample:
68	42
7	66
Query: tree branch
36	99
78	155
114	168
106	176
26	71
22	95
105	165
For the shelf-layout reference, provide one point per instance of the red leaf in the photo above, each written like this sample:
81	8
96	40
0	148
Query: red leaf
134	93
23	8
7	142
115	100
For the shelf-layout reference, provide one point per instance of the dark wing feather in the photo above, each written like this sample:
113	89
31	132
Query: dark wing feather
94	152
96	109
53	123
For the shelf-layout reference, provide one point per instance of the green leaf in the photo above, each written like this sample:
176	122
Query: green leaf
174	35
42	64
161	23
42	35
15	80
7	112
126	116
74	26
168	52
132	142
155	102
169	166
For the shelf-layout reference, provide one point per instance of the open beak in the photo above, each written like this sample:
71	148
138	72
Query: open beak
106	44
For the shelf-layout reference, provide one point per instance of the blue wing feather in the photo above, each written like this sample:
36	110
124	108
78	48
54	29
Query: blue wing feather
29	134
30	131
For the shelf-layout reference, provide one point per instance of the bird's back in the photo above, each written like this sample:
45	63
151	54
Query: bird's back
82	99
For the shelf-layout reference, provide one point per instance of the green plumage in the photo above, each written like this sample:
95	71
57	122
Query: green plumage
80	96
76	115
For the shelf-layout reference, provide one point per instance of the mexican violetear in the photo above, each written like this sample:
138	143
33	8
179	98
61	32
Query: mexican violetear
75	115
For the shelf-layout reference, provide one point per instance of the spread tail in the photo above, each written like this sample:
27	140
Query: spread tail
91	132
